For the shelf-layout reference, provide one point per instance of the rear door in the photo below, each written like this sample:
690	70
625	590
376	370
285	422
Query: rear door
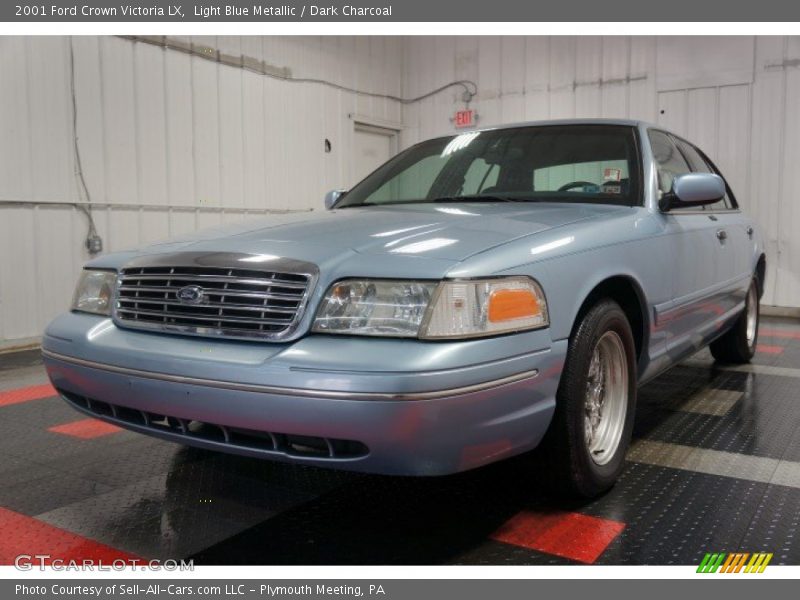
733	234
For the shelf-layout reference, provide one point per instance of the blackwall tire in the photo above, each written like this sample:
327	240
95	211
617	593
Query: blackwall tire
583	452
738	344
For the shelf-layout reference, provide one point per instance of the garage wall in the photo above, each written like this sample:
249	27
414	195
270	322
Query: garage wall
738	97
170	143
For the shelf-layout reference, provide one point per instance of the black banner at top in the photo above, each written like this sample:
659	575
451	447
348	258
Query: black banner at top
601	12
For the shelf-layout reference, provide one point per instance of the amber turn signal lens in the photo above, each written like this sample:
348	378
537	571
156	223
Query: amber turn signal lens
463	309
510	304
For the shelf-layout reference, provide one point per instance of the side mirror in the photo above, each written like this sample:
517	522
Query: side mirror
332	198
693	189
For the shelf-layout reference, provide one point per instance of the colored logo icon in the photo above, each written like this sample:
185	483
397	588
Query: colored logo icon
734	562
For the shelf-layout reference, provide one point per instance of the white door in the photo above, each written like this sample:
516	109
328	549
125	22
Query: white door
372	146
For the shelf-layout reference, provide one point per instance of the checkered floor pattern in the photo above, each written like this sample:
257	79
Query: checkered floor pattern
715	466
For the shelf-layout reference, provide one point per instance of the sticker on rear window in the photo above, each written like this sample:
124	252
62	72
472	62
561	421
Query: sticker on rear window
612	174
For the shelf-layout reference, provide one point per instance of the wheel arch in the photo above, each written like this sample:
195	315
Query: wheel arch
761	273
625	291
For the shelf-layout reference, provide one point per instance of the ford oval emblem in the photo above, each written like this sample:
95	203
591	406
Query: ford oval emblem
191	294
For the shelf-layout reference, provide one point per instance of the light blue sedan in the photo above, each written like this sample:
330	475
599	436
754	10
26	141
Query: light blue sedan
477	296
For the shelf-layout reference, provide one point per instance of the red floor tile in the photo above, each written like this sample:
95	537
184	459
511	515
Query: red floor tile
779	333
35	392
24	535
86	429
767	349
570	535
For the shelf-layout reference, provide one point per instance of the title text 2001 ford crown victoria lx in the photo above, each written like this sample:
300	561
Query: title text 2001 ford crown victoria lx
477	296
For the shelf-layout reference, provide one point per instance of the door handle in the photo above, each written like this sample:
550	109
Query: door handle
722	235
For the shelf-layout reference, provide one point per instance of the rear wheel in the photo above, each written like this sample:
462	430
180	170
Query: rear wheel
738	345
584	449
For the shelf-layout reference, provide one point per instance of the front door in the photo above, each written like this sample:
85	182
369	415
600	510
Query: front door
688	321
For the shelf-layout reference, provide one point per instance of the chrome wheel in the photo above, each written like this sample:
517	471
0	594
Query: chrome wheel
606	398
752	315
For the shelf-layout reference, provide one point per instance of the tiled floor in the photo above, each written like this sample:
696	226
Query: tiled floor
715	466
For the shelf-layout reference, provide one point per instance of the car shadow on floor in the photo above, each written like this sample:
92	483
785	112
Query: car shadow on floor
387	520
394	520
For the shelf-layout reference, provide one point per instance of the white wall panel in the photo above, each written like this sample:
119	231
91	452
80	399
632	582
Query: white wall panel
15	149
537	78
562	77
19	284
702	114
642	85
512	77
231	130
766	154
49	119
588	67
179	132
444	50
154	225
91	129
182	221
787	291
205	127
614	76
690	62
672	111
119	120
254	139
151	143
732	136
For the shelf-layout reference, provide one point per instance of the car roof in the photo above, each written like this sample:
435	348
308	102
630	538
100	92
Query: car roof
626	122
638	123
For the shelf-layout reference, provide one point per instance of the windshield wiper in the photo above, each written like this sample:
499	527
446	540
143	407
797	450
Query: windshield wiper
444	199
475	198
359	205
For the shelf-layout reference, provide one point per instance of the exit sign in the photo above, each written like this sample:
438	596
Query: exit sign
465	118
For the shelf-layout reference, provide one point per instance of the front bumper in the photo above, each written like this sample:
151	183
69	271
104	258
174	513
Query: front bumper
401	407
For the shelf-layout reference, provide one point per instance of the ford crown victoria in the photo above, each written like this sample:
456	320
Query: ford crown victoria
478	296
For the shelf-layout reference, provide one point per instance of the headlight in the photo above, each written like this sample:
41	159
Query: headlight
95	292
374	307
450	309
475	308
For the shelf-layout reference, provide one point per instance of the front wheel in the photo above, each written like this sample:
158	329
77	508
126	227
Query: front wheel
738	344
584	449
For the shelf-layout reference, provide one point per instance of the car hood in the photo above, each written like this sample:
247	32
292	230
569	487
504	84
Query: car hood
449	232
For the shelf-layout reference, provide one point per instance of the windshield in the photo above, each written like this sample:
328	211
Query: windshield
548	163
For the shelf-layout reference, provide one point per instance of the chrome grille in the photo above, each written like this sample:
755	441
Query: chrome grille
223	301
